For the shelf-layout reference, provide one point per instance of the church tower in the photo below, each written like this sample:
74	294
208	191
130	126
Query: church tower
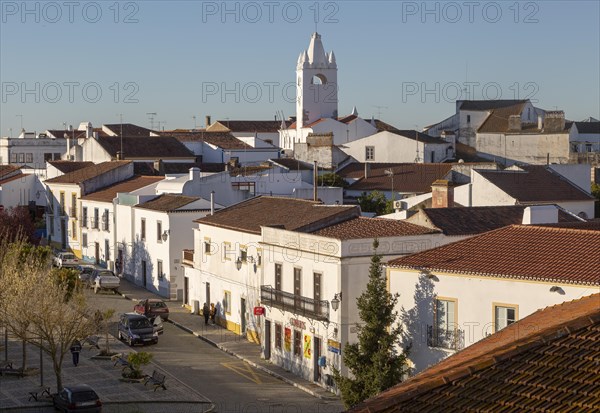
316	84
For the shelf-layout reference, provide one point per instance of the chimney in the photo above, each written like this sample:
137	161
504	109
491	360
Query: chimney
212	202
194	174
540	214
207	121
540	122
315	181
89	130
119	156
442	194
514	123
96	135
554	121
367	169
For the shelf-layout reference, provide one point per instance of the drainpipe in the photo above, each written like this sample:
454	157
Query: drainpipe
212	202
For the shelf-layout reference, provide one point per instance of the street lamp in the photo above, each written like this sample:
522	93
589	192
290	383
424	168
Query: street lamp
390	173
165	235
335	302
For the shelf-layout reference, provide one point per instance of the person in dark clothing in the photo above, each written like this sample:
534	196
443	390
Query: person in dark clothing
206	313
75	349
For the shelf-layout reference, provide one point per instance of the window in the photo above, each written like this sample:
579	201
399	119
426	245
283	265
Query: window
244	253
297	281
369	153
207	247
278	268
278	332
297	343
57	156
84	240
444	332
227	302
317	286
73	205
29	158
159	269
62	203
143	230
47	156
84	217
445	314
468	118
13	158
226	251
96	218
21	158
105	218
51	201
158	231
74	229
504	315
106	250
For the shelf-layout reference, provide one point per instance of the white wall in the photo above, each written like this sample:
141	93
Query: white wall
528	148
475	296
35	147
20	191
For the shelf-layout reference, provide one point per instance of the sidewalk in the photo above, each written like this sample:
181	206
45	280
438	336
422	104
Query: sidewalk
227	341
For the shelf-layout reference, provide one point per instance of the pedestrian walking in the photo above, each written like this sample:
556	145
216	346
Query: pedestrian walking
213	313
205	313
75	349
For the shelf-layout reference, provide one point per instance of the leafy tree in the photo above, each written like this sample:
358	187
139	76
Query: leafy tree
374	361
596	193
332	179
136	361
16	223
375	202
67	277
104	318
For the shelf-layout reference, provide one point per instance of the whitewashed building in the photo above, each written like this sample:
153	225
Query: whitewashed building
457	294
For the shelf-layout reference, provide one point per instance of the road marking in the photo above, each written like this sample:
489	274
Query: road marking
244	370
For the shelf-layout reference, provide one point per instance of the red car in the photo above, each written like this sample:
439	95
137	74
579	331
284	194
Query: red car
151	308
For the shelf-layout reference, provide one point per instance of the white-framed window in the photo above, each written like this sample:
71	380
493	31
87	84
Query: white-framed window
369	153
159	269
278	335
158	231
84	240
96	218
84	217
105	220
143	229
207	246
227	302
226	251
504	315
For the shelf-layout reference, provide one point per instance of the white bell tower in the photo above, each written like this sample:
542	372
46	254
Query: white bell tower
316	84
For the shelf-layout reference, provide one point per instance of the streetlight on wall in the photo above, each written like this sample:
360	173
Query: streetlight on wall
165	235
335	302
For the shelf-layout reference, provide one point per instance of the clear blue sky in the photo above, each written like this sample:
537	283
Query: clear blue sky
175	58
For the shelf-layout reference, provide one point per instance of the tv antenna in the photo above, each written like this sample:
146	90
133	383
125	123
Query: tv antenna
20	116
379	110
151	116
161	122
417	158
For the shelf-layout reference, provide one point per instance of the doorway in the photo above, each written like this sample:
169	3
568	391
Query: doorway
317	356
63	233
97	252
243	314
144	273
267	339
186	290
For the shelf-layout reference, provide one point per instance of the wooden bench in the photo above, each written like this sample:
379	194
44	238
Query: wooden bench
157	380
91	341
6	367
121	361
39	392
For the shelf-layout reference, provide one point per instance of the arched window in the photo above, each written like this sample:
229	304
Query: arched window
318	80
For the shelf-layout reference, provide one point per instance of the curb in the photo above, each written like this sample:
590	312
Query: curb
252	363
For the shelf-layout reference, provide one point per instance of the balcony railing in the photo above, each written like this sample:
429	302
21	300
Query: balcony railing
296	304
448	339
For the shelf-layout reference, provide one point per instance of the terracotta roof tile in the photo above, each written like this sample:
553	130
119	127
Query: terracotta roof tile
545	362
289	213
484	105
497	121
518	251
258	126
167	202
476	220
292	164
588	127
408	177
13	178
224	140
128	129
535	183
84	174
150	147
412	134
109	193
70	166
372	228
6	170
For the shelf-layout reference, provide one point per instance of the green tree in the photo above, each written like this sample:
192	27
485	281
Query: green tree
374	362
596	193
136	361
375	202
332	179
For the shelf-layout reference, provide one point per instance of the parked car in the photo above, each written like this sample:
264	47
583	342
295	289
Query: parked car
85	273
151	308
105	280
136	329
79	398
66	259
157	325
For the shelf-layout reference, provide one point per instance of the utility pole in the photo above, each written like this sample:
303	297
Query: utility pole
151	116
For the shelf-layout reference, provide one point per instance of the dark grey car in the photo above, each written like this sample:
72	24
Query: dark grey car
136	329
78	398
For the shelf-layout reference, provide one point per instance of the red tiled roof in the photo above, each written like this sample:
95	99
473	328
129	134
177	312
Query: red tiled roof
518	251
70	166
109	193
476	220
87	173
536	183
408	177
413	134
224	140
168	202
288	213
12	178
145	147
546	362
483	105
128	129
259	126
292	164
6	170
362	227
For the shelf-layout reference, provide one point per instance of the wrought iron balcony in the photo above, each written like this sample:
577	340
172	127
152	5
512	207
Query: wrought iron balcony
296	304
448	339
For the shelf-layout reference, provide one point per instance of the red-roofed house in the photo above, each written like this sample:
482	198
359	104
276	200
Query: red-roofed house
455	295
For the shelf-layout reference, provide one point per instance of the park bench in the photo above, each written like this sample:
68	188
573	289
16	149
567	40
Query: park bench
121	361
91	341
39	392
157	380
6	367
